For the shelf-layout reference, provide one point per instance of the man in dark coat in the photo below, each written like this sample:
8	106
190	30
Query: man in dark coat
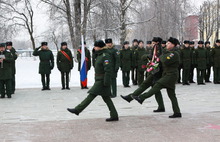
201	62
46	64
5	72
15	56
216	61
140	51
64	64
102	83
186	60
209	61
125	63
191	74
134	62
88	63
170	61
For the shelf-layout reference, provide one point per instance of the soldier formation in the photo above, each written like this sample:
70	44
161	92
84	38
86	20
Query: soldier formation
158	65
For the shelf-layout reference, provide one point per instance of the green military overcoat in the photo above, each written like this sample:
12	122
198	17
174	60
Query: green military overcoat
63	63
46	60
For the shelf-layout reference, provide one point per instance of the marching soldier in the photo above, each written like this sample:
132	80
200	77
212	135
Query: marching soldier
186	59
201	62
209	61
191	74
170	61
15	56
134	63
216	61
114	53
102	85
126	59
64	64
151	78
88	63
5	72
46	64
140	51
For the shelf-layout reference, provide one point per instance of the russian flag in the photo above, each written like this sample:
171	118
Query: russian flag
83	72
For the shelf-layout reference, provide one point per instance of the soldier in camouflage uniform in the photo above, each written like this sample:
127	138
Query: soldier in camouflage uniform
125	63
6	59
15	56
102	85
114	53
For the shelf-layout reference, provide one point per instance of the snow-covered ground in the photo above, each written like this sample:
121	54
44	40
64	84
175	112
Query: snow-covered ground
27	74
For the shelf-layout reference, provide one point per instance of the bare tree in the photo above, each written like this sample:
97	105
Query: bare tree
21	15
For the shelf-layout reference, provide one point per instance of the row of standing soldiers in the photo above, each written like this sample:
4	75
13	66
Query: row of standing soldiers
202	58
8	55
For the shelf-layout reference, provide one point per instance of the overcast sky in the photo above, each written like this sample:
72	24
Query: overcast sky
42	24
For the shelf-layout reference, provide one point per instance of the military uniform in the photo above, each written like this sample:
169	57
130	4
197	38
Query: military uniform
191	74
139	53
186	60
209	63
125	60
6	73
201	62
65	65
45	66
88	63
216	63
102	83
134	71
170	61
15	56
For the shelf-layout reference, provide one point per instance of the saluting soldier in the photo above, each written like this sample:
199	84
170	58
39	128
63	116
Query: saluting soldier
65	64
5	72
216	61
191	74
46	64
201	62
186	60
102	85
170	62
140	51
209	61
125	60
15	56
134	70
88	63
114	53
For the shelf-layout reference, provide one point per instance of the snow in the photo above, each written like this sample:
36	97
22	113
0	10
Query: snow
27	75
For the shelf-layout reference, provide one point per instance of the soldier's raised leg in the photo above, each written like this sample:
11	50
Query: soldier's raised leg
79	108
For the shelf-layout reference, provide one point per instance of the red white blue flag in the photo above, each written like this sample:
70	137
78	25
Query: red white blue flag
83	74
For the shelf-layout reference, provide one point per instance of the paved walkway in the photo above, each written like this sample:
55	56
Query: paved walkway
34	115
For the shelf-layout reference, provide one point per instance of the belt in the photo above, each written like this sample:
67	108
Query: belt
99	74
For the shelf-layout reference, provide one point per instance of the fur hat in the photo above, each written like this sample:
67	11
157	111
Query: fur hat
99	43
